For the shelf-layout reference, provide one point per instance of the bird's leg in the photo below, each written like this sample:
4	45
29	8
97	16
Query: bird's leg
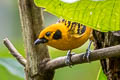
87	54
68	59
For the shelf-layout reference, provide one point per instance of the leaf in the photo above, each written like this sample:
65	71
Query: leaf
12	66
6	75
101	75
103	15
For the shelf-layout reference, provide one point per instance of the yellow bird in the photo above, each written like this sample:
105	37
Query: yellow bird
65	35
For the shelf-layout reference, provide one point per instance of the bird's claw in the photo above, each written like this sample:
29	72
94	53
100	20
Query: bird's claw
87	55
68	58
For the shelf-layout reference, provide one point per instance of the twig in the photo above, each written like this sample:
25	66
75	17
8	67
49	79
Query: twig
14	52
78	58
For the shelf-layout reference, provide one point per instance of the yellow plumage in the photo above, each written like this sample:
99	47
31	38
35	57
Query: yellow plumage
65	35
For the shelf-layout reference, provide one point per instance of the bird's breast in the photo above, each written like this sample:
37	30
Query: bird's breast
68	44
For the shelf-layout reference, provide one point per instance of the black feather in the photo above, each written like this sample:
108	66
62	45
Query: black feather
57	35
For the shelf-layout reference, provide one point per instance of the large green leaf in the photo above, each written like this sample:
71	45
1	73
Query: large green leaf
103	15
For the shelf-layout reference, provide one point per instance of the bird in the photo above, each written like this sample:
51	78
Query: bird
66	35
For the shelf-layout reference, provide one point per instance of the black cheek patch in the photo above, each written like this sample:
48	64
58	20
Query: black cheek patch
57	35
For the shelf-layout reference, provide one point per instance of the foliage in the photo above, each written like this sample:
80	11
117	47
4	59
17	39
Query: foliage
101	75
10	69
103	15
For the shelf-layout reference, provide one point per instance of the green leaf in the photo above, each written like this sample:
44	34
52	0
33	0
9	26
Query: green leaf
6	75
101	75
103	15
12	66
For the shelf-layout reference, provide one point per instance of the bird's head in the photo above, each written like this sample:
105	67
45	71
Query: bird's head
51	34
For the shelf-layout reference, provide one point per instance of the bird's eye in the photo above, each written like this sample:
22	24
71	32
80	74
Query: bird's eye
48	33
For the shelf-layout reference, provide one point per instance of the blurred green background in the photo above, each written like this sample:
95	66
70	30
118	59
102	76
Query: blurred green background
11	70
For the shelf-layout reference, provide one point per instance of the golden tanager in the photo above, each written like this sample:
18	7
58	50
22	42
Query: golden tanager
65	35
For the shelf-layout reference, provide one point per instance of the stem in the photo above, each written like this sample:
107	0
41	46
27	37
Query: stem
14	52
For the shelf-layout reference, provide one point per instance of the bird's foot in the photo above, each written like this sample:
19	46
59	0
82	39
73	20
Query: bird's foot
87	55
68	60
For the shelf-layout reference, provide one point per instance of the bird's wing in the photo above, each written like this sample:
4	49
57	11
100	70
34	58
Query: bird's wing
75	29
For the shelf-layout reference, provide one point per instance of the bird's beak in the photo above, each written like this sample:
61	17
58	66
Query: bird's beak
42	40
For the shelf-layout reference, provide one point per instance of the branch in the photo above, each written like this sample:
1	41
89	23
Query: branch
14	52
78	58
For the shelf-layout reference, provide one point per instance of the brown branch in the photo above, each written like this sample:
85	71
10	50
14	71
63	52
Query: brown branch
78	58
14	52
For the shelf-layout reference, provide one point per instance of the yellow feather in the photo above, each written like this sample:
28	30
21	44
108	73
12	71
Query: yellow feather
72	35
